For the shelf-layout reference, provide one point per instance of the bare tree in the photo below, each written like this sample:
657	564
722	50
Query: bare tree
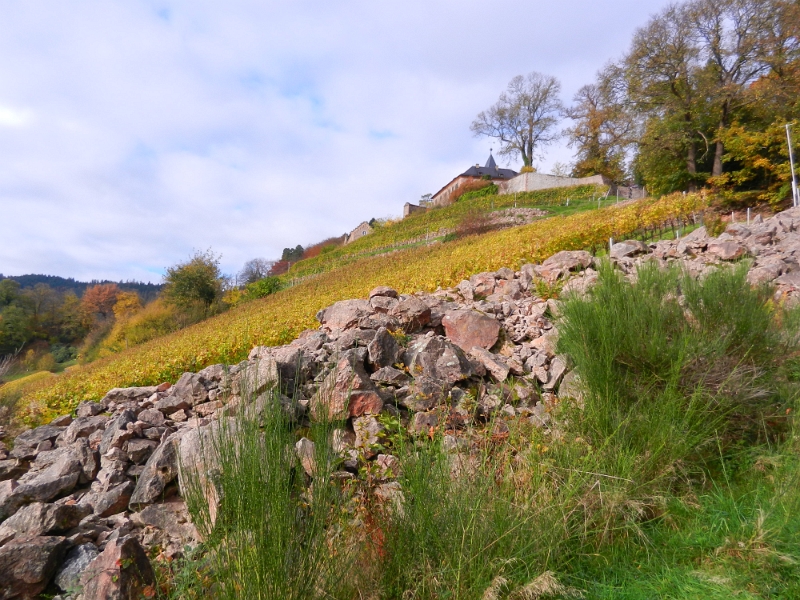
255	269
525	117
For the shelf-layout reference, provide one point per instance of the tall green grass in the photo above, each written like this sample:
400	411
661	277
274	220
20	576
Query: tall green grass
272	536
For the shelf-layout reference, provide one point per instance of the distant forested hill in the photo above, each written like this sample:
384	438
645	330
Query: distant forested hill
146	291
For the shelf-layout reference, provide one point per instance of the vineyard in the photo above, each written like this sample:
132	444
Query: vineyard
420	228
278	319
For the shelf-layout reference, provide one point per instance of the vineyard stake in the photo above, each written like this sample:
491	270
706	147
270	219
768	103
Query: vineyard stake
748	216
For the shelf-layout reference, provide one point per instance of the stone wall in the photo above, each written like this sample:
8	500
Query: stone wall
410	209
529	182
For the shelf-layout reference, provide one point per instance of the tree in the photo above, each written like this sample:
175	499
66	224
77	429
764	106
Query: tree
601	130
524	118
128	304
100	299
731	35
292	255
255	269
196	282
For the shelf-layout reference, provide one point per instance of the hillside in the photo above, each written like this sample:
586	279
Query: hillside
279	318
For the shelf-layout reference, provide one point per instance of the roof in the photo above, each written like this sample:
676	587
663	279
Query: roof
490	169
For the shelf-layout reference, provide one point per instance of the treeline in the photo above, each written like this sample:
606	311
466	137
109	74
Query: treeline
146	291
701	97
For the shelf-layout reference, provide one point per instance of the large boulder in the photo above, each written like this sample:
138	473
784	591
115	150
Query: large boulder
412	313
159	471
437	358
117	432
383	350
41	519
27	563
344	314
57	479
726	250
347	391
121	572
468	328
562	263
131	394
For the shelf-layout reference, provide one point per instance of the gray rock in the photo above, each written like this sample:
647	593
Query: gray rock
111	501
423	422
305	450
89	409
27	442
139	450
69	573
59	478
437	358
83	427
11	468
26	565
390	376
383	350
131	394
159	471
152	416
117	425
492	362
344	314
41	519
628	249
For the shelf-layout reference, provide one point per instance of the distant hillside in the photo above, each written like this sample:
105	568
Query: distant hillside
146	291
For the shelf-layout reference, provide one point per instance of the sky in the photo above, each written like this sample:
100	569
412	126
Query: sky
134	133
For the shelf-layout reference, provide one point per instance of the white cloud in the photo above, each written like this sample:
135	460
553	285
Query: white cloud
15	117
154	127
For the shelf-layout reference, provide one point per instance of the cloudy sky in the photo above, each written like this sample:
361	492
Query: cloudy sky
134	132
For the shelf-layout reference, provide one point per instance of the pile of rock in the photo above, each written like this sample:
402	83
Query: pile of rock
85	499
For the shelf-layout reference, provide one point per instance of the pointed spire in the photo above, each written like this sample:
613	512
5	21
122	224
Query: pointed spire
490	164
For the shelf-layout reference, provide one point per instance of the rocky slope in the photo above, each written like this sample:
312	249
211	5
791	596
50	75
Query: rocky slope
85	499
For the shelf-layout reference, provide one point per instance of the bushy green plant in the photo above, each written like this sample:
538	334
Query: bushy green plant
263	287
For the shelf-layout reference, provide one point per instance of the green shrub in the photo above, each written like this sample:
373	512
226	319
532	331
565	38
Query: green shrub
264	287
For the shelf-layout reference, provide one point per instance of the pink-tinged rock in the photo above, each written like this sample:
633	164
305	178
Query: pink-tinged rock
562	263
344	314
726	250
628	248
383	304
437	358
510	288
27	564
789	279
493	363
412	313
483	284
382	290
468	328
121	572
346	391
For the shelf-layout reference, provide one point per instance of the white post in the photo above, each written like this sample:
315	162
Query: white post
733	217
610	244
748	216
795	199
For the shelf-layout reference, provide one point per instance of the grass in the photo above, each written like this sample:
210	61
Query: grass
280	317
674	476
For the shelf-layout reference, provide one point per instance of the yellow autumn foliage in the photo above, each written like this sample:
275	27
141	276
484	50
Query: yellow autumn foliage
279	318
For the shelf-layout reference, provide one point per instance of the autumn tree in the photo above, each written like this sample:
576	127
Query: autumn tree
100	299
127	305
525	117
600	133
